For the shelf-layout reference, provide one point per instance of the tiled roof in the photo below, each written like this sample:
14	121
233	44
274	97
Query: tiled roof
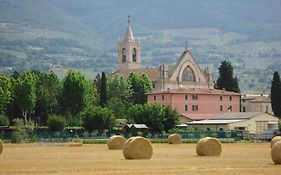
236	115
198	116
214	121
194	91
152	73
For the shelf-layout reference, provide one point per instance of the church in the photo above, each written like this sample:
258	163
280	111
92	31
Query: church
184	86
186	73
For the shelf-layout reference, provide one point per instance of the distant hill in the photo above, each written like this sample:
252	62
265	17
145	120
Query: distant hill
44	35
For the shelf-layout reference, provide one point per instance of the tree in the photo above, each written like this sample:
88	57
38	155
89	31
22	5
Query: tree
77	93
119	88
140	85
103	89
47	92
56	123
155	116
170	119
117	107
276	95
5	92
226	80
98	118
25	93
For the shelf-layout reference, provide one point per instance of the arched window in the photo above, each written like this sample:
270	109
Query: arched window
124	55
188	74
134	55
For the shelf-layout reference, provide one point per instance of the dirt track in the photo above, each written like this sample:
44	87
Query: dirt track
167	159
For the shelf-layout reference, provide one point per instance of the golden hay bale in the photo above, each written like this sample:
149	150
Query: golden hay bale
276	152
208	146
137	148
116	142
174	139
274	140
1	146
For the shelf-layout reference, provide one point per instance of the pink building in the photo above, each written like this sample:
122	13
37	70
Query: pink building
196	104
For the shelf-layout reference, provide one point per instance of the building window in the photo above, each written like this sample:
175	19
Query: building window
186	97
220	98
230	108
123	55
244	109
230	98
221	129
134	55
194	97
163	106
208	129
163	97
194	107
186	107
154	97
153	85
221	107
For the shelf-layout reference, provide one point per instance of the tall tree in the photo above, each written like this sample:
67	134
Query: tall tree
276	94
226	80
77	93
140	85
25	93
5	92
119	88
47	91
103	90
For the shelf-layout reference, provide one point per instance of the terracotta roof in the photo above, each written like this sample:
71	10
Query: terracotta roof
194	91
236	115
152	73
198	116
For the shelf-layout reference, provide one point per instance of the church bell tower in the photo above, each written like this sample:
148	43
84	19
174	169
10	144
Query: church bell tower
129	51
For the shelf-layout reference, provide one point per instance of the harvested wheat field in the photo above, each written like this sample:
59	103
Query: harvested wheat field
169	159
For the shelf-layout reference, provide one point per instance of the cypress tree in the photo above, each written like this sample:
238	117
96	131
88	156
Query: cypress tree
103	93
226	79
276	95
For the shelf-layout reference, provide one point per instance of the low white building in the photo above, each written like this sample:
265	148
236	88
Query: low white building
256	103
253	122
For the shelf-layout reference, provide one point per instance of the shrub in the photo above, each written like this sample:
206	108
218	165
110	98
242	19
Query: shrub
56	123
4	121
20	134
17	137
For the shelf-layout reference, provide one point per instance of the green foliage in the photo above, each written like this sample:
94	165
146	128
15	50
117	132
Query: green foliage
4	120
77	93
117	107
98	118
103	90
21	133
226	80
154	116
119	88
56	123
5	92
47	92
140	85
276	94
25	93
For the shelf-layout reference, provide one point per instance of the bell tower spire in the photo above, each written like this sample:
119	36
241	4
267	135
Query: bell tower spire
129	50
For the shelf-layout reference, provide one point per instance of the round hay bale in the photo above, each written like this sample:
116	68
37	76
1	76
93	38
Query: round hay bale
137	148
1	146
274	140
174	139
116	142
208	146
276	152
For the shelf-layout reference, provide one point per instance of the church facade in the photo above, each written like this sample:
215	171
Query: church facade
183	86
185	74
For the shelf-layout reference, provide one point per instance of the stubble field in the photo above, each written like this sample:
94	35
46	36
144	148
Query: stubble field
237	158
